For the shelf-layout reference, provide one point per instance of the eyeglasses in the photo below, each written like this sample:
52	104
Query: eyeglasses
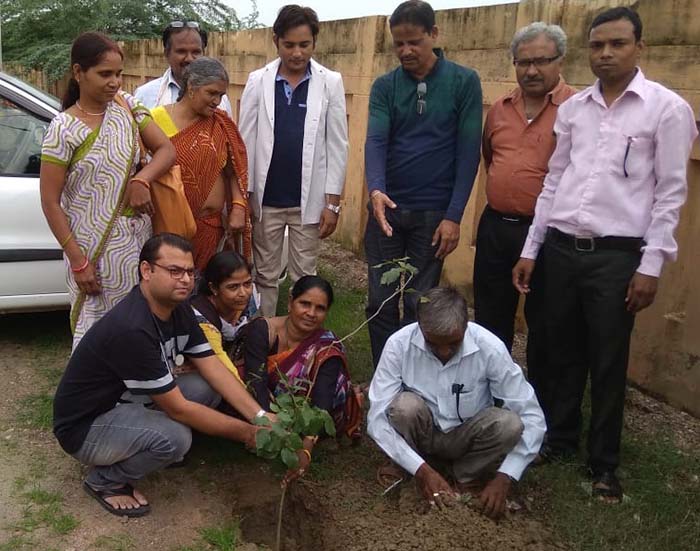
176	272
537	62
182	24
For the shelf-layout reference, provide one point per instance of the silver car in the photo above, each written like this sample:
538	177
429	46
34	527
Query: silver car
32	274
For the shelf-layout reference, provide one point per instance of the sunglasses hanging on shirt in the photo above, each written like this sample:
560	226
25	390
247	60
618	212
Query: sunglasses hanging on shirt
421	91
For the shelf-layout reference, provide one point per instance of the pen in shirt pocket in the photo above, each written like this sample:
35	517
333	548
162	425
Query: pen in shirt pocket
630	140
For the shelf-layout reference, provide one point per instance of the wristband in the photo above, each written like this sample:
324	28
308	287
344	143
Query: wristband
142	182
260	414
66	240
82	267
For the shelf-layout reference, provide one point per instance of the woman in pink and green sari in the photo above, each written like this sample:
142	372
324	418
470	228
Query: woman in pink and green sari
95	196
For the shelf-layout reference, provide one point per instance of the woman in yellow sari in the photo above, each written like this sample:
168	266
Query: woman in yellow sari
212	158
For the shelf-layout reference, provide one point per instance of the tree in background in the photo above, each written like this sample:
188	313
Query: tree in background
38	33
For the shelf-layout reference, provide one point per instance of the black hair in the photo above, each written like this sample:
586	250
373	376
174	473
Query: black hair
220	267
414	12
169	31
308	282
292	16
87	51
615	14
151	248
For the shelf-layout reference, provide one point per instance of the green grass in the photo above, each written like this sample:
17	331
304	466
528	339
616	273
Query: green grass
36	411
43	509
15	543
219	538
119	542
660	511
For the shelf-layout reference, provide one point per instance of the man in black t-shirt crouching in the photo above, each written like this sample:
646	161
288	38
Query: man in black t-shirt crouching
118	407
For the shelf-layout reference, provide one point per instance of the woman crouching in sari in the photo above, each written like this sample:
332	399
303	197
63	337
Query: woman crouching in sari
95	198
212	158
298	347
224	303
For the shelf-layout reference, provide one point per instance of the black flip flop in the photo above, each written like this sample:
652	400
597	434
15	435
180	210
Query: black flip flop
126	490
612	487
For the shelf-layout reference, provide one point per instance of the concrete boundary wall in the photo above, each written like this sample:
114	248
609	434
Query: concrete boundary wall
666	344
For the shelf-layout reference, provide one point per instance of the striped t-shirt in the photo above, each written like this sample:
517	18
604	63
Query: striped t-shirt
128	349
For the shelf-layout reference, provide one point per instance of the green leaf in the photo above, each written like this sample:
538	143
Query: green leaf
284	401
294	441
289	458
390	276
274	408
285	418
278	429
262	421
307	417
262	439
328	424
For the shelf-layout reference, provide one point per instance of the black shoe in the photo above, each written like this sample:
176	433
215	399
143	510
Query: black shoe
551	454
606	487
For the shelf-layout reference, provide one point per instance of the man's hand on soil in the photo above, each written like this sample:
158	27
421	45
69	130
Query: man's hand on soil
434	488
493	496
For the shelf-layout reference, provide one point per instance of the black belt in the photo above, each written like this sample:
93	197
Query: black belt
510	218
590	244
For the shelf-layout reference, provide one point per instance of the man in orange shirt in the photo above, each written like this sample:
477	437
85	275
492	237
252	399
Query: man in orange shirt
517	143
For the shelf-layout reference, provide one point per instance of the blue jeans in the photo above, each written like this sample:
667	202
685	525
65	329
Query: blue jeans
130	441
412	237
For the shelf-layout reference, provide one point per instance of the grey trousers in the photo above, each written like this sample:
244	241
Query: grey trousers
130	441
475	449
268	244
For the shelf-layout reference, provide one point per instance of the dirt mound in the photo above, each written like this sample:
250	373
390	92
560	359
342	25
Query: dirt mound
353	516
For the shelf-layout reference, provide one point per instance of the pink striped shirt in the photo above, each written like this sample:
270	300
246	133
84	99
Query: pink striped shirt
618	170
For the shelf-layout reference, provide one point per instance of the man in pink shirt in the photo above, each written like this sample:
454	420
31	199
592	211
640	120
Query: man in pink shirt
606	217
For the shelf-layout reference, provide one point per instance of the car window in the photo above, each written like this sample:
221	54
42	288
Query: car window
21	135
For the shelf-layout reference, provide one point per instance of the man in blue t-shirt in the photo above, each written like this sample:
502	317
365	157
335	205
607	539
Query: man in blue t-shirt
118	406
421	158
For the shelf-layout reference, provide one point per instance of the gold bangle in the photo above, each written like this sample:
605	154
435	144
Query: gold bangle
239	202
66	240
307	452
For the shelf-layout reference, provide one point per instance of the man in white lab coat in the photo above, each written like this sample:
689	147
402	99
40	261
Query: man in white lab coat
293	121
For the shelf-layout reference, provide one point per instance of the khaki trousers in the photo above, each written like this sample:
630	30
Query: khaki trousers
476	448
268	240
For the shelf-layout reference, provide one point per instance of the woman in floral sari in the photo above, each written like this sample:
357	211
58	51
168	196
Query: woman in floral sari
297	346
95	199
212	158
